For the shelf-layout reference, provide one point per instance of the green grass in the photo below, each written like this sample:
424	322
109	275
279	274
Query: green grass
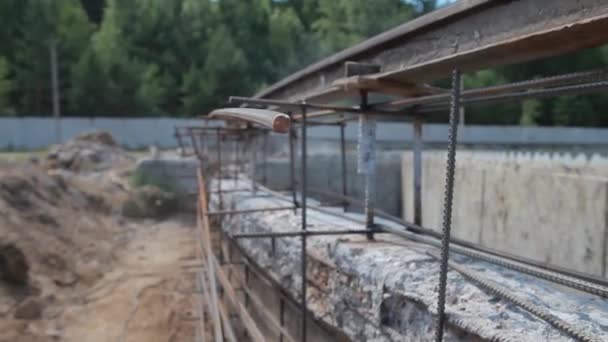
14	157
166	183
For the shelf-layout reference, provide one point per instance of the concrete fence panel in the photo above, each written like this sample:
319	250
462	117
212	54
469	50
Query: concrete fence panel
29	133
550	208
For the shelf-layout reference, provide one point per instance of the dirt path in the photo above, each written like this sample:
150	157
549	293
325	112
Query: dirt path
148	296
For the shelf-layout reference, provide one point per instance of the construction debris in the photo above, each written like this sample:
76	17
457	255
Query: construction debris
99	137
88	152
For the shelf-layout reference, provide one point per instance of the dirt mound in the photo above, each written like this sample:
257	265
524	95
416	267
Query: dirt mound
88	152
100	137
58	235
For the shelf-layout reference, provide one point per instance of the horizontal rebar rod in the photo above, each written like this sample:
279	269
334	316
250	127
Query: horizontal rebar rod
245	211
567	84
418	229
574	279
506	89
299	233
299	104
229	190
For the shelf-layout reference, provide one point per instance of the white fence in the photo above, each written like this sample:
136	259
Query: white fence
30	133
37	133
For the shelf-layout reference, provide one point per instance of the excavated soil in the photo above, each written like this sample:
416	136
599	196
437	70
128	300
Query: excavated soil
147	296
92	275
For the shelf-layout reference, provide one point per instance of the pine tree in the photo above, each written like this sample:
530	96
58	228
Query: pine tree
6	87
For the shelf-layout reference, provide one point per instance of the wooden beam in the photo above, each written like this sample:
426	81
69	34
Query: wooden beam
566	38
267	315
214	267
246	319
202	222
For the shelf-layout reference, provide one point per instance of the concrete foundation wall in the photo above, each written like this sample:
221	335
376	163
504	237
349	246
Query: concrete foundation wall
385	290
325	173
550	208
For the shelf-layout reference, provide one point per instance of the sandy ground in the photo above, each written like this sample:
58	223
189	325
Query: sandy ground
148	296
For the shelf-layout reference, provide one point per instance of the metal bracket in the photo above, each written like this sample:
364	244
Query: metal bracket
357	68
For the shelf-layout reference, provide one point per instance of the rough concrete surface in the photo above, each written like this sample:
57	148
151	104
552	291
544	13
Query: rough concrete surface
385	290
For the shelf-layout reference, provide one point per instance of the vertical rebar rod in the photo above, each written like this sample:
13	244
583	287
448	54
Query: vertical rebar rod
343	160
303	210
236	161
281	316
292	162
265	159
219	165
219	185
273	246
247	285
461	109
447	203
195	145
205	145
178	136
417	169
254	161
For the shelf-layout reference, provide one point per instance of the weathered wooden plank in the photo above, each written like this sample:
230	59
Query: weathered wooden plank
267	315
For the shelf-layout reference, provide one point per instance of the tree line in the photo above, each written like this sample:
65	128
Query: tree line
184	57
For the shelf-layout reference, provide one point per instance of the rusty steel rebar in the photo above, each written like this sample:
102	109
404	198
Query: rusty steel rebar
447	204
